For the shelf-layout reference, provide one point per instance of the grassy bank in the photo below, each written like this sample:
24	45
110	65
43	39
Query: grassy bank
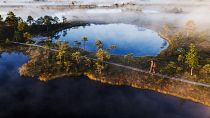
120	76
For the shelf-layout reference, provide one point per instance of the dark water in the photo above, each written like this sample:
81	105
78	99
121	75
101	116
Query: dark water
80	97
128	38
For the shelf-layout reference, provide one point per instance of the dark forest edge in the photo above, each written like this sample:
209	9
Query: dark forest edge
14	28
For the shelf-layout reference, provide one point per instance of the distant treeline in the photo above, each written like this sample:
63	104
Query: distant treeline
16	29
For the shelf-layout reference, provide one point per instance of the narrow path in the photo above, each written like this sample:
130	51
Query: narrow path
34	45
131	68
160	75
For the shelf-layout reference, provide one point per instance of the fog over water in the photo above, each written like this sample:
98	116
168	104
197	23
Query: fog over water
155	12
80	97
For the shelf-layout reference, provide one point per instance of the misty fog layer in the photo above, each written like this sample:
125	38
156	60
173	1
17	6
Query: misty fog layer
153	14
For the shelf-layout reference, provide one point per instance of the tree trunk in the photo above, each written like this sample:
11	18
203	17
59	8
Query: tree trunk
191	71
151	66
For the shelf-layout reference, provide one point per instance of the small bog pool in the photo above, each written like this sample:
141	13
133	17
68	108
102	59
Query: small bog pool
128	38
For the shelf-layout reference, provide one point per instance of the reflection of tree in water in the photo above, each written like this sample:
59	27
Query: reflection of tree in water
164	44
182	103
64	33
56	36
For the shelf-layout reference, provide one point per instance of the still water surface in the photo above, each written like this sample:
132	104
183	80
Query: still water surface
80	97
128	38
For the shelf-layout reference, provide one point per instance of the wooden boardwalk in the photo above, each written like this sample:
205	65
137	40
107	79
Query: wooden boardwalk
132	68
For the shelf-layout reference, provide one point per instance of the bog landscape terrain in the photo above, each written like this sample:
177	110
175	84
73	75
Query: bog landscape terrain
105	58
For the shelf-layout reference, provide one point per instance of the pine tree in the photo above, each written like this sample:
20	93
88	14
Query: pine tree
21	26
27	36
191	57
102	56
11	19
84	39
30	20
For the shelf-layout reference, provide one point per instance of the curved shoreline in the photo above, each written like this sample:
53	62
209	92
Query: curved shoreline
152	88
172	88
142	85
166	39
133	81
